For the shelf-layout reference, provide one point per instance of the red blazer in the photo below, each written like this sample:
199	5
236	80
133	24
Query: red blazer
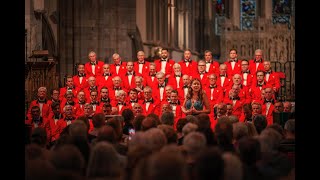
156	93
154	107
44	123
145	67
63	91
244	93
237	107
236	70
215	97
250	78
256	91
77	84
124	106
54	127
226	83
273	80
214	67
181	93
169	66
192	67
112	92
122	69
125	80
268	114
177	115
104	81
252	66
46	108
88	90
150	81
204	80
98	69
172	80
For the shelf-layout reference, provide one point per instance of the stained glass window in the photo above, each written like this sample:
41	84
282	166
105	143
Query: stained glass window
220	7
281	11
248	14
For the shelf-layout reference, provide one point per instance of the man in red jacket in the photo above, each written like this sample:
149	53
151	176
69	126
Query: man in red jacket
94	66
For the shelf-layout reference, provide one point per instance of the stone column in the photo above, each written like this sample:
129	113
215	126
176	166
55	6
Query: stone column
268	9
235	18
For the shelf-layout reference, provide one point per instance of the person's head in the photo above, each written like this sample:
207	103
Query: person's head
196	85
129	66
247	110
268	93
140	56
233	54
88	109
92	81
69	81
94	95
42	92
128	116
133	94
56	108
69	96
35	112
168	90
121	95
92	56
229	109
161	77
186	79
187	54
116	58
287	106
267	65
147	92
152	68
106	68
104	92
260	75
260	122
201	66
177	68
236	89
221	109
208	56
81	68
174	96
256	108
212	79
55	94
223	68
137	109
258	55
244	65
164	53
165	107
237	79
138	81
68	110
290	128
278	107
81	96
107	109
116	81
167	118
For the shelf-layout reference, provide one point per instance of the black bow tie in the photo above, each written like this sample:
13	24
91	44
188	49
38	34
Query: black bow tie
208	62
268	72
260	85
117	88
246	71
93	88
42	101
163	60
235	98
82	102
121	103
69	88
81	74
256	61
37	121
93	63
202	73
130	73
117	64
269	101
70	103
57	116
94	103
175	103
185	86
160	86
68	118
152	75
177	75
105	100
187	60
141	62
212	86
133	101
107	74
233	60
222	75
150	101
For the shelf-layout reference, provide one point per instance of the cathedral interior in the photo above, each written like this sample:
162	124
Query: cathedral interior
59	34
